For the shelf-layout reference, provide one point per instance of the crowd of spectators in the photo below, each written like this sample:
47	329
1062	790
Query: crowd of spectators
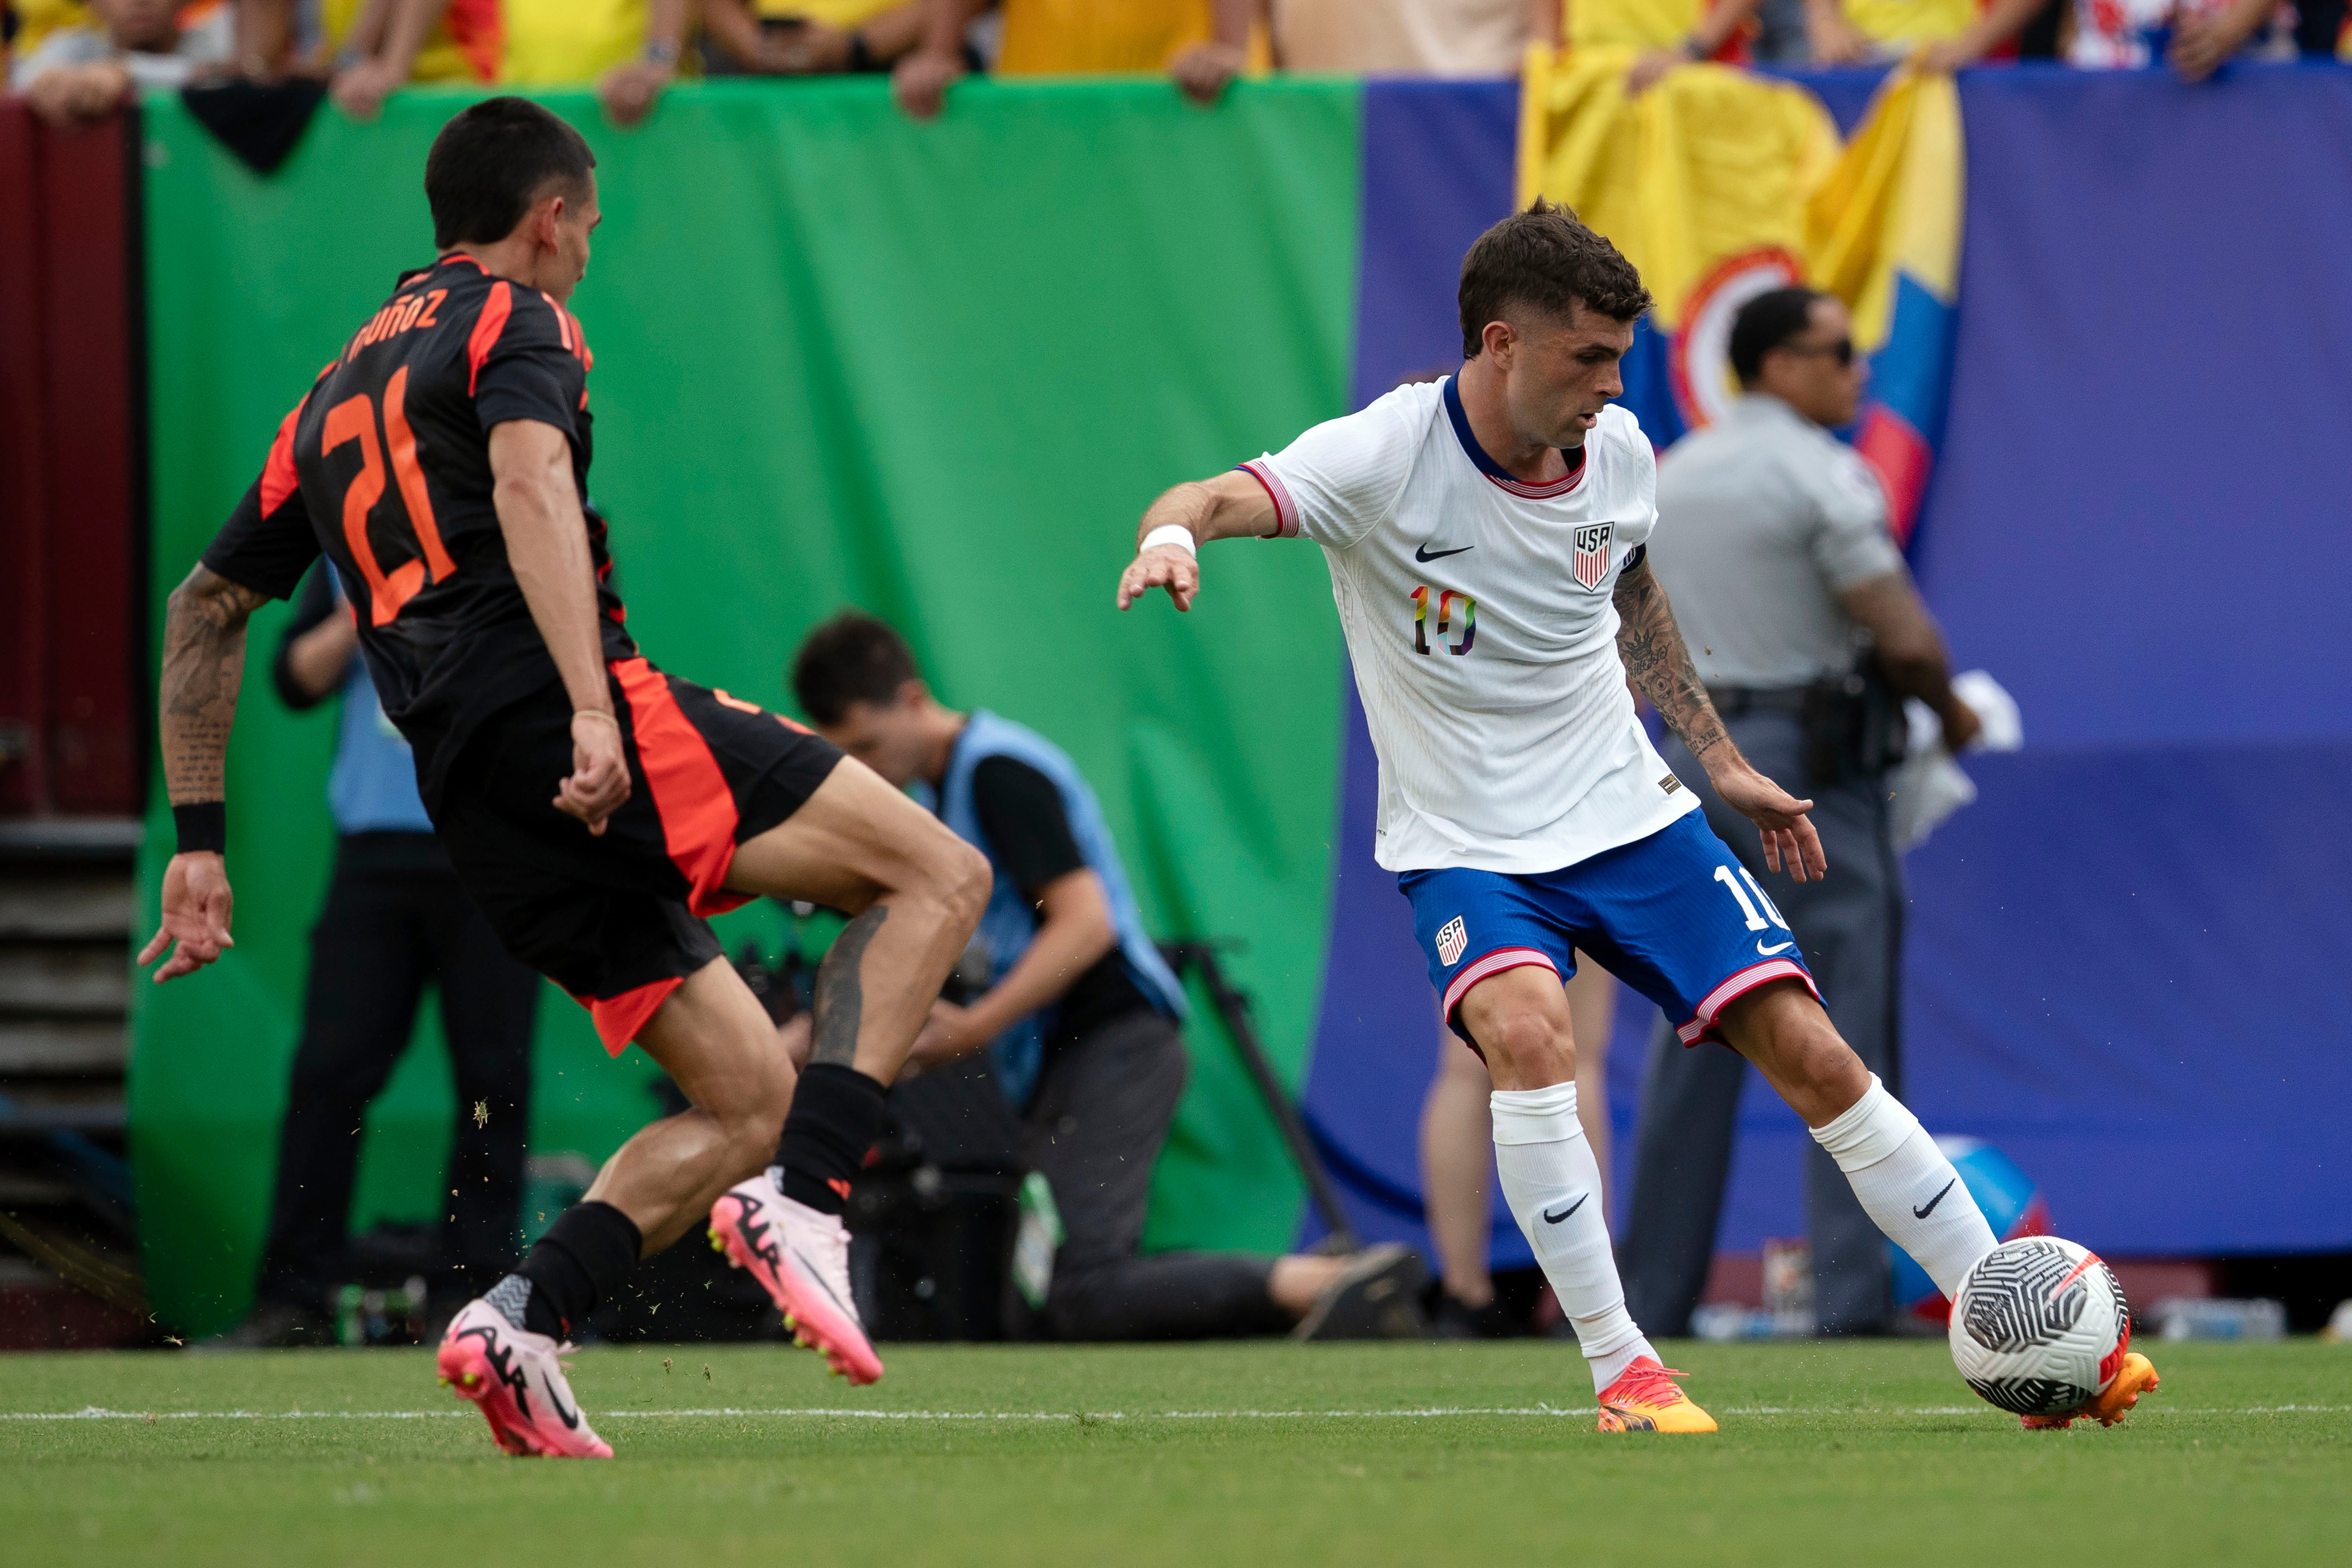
78	58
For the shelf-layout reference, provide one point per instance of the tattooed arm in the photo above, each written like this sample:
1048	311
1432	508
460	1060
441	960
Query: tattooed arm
1660	665
203	665
1651	646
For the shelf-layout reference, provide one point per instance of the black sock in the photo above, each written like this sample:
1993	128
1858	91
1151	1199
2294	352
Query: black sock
837	1113
583	1256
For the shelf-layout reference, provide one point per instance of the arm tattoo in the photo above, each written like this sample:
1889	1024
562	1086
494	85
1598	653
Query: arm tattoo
840	994
1651	646
203	665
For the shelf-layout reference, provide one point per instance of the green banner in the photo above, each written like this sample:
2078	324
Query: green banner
934	371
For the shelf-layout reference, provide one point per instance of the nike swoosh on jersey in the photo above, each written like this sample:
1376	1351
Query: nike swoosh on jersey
1425	554
1768	952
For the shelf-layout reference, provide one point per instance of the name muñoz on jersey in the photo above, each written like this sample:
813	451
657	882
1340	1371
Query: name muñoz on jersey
385	466
1479	617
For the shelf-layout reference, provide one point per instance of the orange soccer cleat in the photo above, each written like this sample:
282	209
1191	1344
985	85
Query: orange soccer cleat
2134	1378
1646	1398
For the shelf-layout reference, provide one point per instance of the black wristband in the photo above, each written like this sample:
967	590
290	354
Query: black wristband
861	54
204	826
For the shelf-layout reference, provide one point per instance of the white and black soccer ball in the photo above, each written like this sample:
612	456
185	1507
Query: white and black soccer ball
2040	1326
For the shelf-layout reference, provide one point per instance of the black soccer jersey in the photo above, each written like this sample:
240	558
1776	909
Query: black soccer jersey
385	464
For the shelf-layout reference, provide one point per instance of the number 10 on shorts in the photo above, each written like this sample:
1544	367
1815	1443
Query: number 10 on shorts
1723	874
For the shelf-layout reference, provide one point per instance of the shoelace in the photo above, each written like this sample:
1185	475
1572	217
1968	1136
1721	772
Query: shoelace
1648	1385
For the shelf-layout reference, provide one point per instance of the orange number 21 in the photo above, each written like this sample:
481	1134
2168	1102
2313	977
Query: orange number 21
354	419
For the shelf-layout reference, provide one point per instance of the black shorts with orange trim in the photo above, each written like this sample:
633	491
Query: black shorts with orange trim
616	920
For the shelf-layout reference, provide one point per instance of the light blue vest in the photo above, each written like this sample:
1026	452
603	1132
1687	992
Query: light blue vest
1009	925
373	788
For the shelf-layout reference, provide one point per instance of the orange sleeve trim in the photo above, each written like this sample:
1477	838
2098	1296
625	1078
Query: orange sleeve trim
277	477
563	321
487	328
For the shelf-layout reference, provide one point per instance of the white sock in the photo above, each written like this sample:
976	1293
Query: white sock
1548	1170
1897	1173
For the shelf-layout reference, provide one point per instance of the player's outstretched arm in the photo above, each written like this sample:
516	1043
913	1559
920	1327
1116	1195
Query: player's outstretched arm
203	666
538	502
1167	543
1660	665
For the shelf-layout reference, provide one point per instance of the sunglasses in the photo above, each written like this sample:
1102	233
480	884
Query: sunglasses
1841	351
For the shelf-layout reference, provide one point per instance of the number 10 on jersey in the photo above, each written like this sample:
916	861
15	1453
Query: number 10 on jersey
1447	602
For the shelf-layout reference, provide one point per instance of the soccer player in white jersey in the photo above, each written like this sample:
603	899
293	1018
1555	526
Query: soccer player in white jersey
1486	536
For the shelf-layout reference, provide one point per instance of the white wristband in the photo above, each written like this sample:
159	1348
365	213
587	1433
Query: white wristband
1174	533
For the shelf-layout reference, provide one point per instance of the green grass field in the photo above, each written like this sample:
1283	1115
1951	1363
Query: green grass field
1241	1453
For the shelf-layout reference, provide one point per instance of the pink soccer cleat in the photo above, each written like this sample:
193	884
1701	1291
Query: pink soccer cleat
803	1259
516	1379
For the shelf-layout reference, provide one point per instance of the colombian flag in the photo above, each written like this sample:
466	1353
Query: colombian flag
1720	185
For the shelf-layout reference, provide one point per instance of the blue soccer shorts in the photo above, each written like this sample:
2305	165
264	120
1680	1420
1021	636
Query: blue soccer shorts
1675	915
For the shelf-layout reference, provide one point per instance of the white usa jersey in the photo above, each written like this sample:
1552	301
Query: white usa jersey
1478	614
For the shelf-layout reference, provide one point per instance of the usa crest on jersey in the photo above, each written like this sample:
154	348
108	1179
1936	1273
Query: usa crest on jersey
1592	553
1452	940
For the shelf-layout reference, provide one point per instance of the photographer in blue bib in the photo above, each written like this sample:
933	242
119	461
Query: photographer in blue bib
1080	1018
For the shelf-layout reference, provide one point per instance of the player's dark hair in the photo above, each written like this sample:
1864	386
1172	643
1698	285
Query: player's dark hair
1545	259
1764	323
852	657
491	161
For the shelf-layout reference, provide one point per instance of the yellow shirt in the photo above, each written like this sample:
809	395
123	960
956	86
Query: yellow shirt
832	13
462	47
1629	24
1912	21
553	41
37	19
1056	37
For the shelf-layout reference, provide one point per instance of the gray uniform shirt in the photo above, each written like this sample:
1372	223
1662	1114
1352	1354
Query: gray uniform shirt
1763	517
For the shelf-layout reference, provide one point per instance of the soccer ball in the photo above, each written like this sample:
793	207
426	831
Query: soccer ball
2007	1197
2040	1326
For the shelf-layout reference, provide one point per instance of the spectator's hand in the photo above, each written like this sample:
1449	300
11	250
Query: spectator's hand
1790	844
1203	70
629	89
69	95
1651	70
2202	43
599	782
1961	726
1945	56
196	908
921	80
1834	40
360	90
946	1036
806	48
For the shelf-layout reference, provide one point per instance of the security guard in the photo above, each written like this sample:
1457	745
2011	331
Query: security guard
1804	624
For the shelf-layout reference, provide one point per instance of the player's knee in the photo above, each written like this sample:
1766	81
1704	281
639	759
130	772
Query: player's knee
1526	1047
1825	1067
965	881
756	1119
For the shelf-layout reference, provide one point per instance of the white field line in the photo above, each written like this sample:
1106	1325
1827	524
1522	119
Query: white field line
96	1413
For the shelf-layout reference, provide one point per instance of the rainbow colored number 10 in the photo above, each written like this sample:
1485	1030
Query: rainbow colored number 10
1446	599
